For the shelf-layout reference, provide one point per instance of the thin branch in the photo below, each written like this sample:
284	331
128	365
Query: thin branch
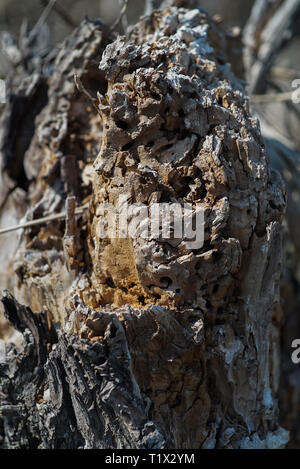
62	13
272	98
119	19
41	221
83	90
124	19
44	16
284	72
271	39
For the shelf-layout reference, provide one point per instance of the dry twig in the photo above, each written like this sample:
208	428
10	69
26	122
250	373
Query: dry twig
271	98
122	13
43	220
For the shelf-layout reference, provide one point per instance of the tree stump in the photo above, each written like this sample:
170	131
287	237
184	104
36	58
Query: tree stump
143	343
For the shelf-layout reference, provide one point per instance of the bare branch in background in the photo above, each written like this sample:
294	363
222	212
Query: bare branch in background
62	13
122	13
273	34
44	16
271	98
124	20
83	90
281	72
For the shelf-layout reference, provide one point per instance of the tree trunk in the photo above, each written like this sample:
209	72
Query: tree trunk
155	345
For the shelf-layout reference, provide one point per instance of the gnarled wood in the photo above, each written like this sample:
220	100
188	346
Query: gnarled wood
160	346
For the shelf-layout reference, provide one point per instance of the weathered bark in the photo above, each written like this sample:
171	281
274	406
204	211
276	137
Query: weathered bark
159	346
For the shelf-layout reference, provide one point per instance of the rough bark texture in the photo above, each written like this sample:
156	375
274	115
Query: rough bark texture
159	346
